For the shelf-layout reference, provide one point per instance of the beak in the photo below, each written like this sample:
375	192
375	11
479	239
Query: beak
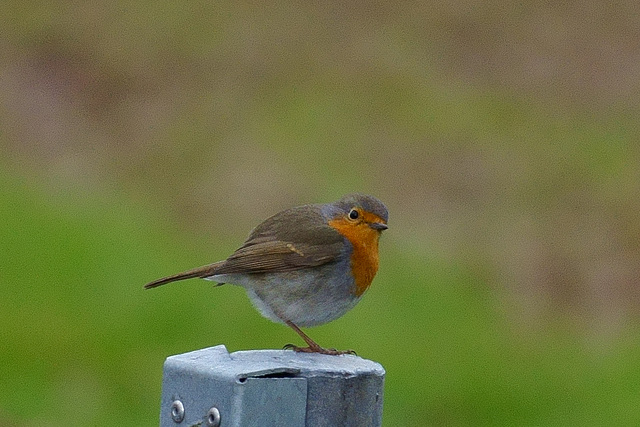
378	226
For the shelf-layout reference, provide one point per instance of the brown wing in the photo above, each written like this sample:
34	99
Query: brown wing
290	240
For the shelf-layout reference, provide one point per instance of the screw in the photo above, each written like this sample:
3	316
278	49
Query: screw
177	411
213	417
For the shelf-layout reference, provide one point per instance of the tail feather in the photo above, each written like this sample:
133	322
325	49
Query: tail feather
200	272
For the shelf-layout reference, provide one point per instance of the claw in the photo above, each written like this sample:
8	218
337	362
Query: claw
320	350
313	347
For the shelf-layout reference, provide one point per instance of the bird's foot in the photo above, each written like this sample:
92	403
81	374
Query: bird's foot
318	349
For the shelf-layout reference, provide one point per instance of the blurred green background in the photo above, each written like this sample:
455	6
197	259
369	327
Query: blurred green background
139	139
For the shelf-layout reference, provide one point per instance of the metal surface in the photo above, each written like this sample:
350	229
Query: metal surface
271	388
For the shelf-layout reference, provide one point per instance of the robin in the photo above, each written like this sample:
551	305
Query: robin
305	266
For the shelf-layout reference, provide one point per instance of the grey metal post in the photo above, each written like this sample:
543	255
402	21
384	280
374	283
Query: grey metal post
211	387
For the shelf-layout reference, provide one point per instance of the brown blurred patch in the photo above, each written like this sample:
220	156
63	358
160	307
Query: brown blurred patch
481	124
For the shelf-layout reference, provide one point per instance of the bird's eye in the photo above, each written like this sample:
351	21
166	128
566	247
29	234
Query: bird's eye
353	214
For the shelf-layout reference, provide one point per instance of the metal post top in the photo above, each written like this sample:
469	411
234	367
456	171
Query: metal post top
270	388
272	363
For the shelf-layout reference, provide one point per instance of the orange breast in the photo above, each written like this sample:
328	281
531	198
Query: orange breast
364	259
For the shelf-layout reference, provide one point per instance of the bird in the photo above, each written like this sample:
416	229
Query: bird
305	266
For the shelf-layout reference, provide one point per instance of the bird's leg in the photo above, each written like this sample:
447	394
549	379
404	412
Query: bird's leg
313	347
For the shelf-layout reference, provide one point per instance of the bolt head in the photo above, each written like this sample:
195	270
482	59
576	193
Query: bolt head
177	411
213	417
